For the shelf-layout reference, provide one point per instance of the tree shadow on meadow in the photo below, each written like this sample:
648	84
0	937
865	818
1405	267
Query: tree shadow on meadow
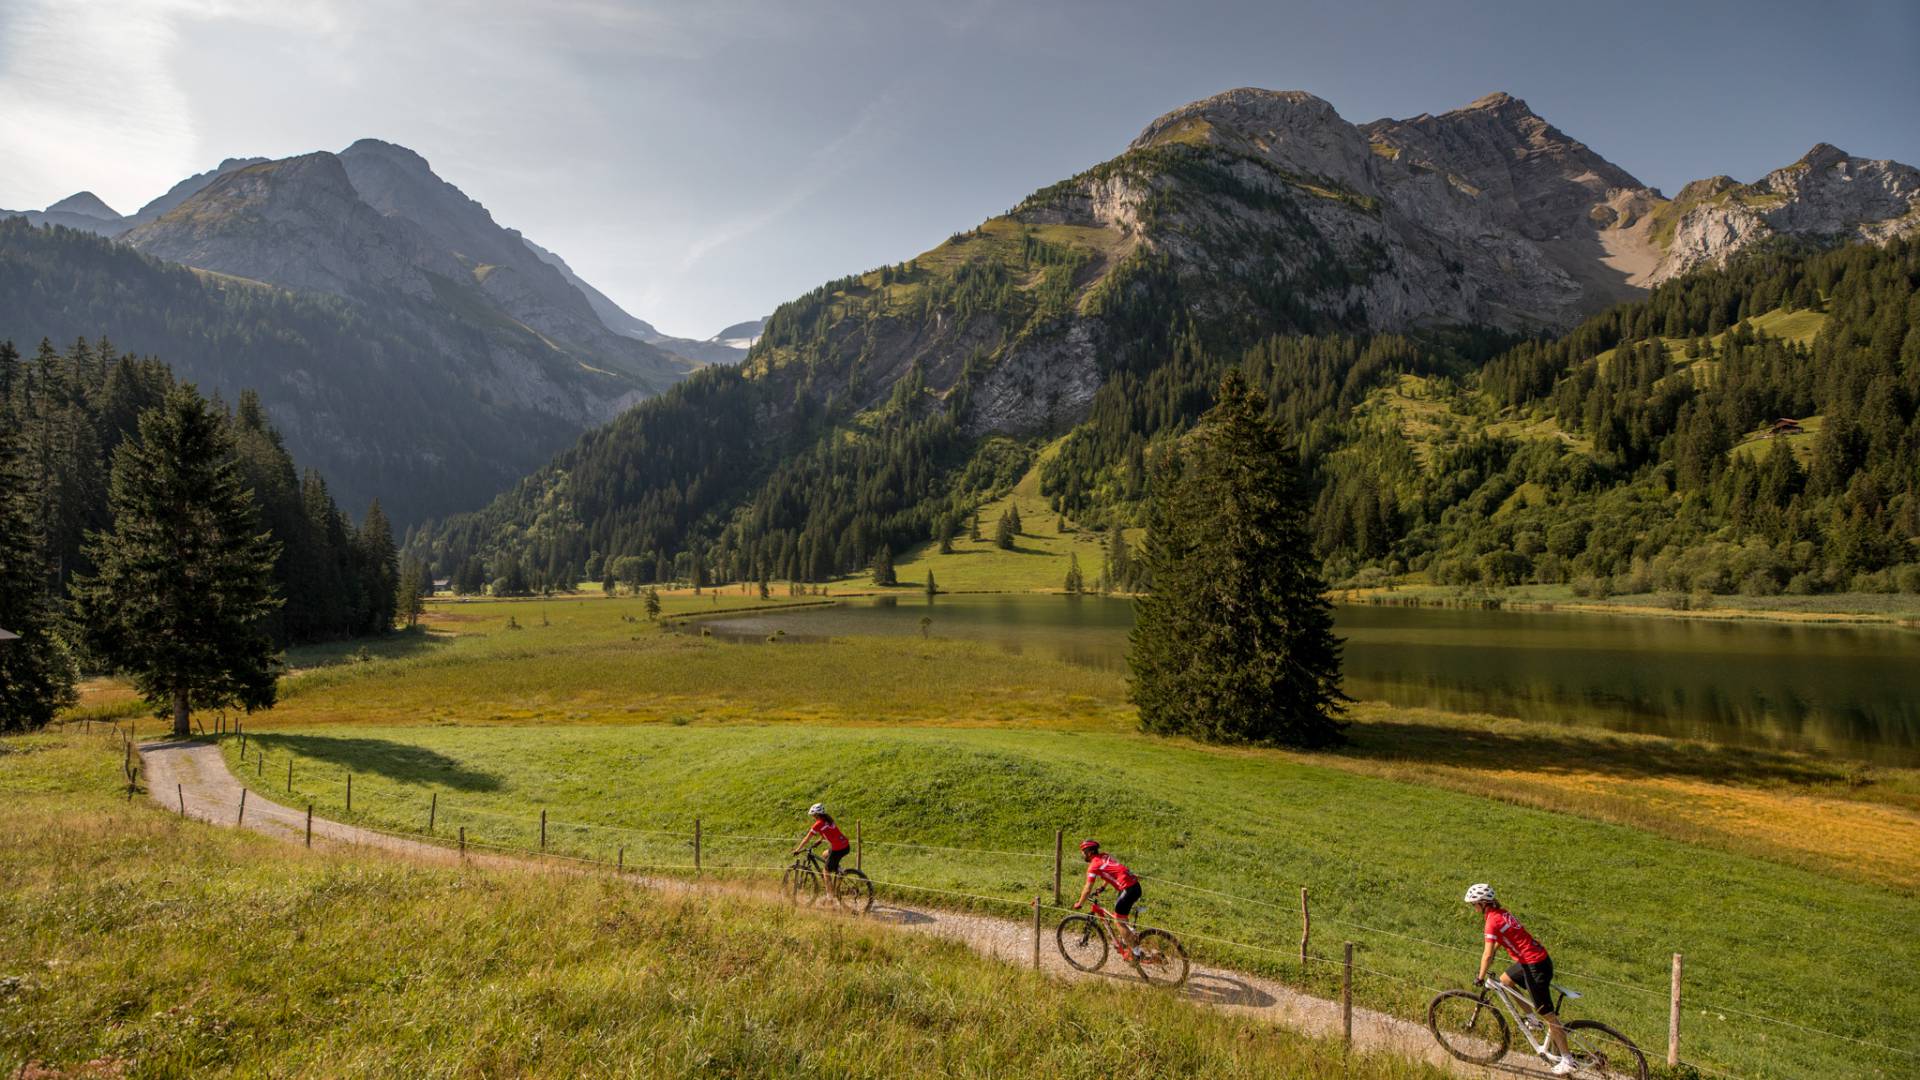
1409	741
397	761
401	645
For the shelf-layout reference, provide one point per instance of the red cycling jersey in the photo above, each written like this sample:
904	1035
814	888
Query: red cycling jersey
1502	927
828	831
1112	871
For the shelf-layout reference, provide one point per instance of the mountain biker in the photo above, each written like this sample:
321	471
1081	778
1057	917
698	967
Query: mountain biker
823	828
1531	970
1104	870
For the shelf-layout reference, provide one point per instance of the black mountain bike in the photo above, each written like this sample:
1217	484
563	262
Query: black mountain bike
807	879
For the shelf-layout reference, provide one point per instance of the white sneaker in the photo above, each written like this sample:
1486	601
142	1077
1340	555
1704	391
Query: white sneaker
1565	1066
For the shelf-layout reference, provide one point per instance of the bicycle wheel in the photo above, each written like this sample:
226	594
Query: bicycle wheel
1082	942
801	886
1160	958
1468	1027
854	892
1600	1051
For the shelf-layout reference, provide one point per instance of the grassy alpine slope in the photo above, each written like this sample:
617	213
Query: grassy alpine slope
141	945
1658	854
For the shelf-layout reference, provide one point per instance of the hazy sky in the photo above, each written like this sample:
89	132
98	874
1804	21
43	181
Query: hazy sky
703	161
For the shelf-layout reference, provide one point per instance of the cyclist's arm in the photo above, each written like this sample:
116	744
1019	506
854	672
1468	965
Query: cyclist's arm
1486	958
806	841
1085	888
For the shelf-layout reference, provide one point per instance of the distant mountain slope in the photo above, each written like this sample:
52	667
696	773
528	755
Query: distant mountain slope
712	351
416	399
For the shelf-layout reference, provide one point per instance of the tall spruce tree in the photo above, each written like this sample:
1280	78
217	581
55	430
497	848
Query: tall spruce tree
184	584
1234	642
36	674
380	565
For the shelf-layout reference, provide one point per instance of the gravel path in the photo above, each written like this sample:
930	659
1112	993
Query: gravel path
193	778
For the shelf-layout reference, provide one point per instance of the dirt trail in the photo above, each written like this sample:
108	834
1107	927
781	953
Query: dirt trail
195	775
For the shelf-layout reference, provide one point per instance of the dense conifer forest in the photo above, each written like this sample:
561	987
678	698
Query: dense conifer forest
68	411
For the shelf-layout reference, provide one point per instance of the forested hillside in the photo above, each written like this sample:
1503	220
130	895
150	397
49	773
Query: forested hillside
414	401
1637	452
69	411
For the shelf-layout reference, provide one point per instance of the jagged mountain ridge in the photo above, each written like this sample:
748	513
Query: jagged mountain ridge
1246	218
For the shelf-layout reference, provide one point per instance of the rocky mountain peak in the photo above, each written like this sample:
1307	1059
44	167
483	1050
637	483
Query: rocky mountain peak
1823	155
1293	129
86	204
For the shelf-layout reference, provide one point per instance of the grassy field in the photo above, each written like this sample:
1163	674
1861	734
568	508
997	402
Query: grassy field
1618	850
137	944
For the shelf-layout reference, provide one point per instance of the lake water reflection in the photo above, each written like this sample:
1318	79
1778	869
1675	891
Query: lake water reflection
1849	691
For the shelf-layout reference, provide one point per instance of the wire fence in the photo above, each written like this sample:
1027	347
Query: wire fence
701	851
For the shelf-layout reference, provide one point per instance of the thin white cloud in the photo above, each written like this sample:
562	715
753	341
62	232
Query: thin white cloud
822	167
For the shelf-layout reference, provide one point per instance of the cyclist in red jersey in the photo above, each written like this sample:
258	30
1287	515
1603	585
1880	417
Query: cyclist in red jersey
1531	970
1104	870
823	828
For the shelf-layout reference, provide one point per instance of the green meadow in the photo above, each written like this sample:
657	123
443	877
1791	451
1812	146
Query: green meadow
625	733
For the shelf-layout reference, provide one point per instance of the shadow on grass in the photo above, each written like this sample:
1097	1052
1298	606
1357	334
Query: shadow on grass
396	761
400	645
1544	752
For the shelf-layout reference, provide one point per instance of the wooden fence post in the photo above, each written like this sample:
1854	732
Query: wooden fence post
463	841
1306	928
1059	849
349	793
621	866
859	846
181	790
260	765
433	811
238	727
309	824
289	776
243	807
1673	1017
1346	998
543	830
1036	933
696	844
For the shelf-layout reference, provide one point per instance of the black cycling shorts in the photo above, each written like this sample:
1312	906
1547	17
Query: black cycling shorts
1536	980
834	857
1124	901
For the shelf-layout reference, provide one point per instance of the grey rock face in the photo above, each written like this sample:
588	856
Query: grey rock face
1826	195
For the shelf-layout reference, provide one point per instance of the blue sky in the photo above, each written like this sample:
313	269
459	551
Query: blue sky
703	161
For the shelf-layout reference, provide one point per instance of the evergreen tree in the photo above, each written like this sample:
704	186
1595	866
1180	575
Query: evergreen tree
1003	532
1119	571
932	589
1013	517
653	602
36	675
973	527
184	578
1235	641
946	535
409	602
883	567
380	567
1075	583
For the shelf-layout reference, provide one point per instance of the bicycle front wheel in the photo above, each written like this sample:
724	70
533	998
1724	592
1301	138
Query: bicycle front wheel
1082	942
801	886
853	892
1599	1051
1468	1027
1160	958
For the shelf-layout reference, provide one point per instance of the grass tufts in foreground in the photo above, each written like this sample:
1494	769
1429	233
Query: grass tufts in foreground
139	944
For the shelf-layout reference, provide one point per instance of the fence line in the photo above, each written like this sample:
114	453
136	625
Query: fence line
1291	952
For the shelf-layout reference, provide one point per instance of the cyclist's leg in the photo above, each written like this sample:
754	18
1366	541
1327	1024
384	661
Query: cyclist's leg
833	872
1123	914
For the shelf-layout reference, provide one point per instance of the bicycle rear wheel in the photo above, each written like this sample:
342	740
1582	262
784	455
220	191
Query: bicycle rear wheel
1160	958
1468	1027
801	886
1599	1051
1082	942
853	892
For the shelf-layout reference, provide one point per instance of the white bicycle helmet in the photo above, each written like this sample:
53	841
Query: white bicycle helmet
817	808
1480	894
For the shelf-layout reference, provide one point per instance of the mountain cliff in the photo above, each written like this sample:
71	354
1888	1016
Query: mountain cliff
1254	227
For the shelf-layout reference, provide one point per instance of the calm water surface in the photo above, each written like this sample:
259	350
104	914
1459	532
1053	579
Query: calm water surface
1847	691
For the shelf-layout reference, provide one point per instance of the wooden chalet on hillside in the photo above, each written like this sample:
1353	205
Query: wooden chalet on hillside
1784	427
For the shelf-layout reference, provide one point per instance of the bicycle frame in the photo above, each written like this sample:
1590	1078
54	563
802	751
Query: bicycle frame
1108	918
1520	1008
